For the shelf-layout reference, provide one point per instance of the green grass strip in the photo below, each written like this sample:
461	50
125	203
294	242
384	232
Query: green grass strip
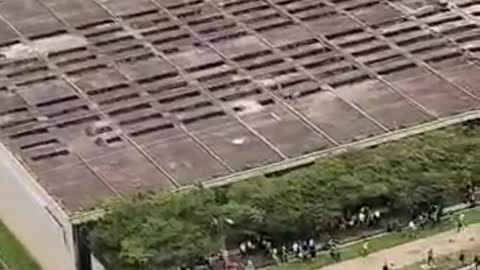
13	253
380	243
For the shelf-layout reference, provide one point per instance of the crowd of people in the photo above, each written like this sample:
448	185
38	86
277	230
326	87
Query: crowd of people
363	219
308	248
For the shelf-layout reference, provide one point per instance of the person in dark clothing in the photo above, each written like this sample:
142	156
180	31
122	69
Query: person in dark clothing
470	197
461	225
305	250
338	255
312	246
335	254
331	252
476	262
385	266
461	258
430	259
398	228
313	251
437	214
305	245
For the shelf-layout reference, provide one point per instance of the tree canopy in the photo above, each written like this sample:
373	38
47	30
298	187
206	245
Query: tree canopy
159	231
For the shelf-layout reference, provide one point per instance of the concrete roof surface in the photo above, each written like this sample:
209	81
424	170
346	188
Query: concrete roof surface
100	98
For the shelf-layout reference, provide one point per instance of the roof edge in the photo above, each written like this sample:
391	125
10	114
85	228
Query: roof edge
91	215
29	180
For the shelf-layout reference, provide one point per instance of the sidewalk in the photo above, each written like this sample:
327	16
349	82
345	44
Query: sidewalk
410	253
469	267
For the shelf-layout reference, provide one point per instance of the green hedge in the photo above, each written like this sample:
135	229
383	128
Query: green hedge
158	231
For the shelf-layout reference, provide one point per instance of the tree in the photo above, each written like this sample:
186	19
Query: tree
157	231
161	231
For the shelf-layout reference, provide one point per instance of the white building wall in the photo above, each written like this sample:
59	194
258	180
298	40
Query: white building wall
33	217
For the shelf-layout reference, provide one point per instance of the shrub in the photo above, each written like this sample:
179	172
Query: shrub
158	231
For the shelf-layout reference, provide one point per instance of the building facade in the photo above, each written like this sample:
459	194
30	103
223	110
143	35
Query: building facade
34	217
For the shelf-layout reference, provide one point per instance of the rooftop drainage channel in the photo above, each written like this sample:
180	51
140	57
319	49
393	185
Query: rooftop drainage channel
277	99
406	53
156	52
216	102
126	137
304	70
352	59
424	25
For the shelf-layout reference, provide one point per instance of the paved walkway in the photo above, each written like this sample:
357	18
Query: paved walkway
413	252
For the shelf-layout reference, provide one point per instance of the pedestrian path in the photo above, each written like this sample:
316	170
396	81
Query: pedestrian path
469	267
407	254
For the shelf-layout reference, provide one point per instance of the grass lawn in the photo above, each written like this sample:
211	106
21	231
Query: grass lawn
449	262
387	241
13	253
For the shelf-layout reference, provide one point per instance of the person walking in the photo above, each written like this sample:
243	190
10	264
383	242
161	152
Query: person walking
301	254
243	249
461	258
365	248
305	250
250	246
249	265
385	266
413	228
476	262
333	250
459	223
312	246
296	249
334	253
437	214
461	219
275	256
377	215
421	221
362	217
430	258
284	254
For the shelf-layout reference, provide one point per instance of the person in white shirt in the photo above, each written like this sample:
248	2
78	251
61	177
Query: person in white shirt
295	248
362	217
413	228
243	249
250	265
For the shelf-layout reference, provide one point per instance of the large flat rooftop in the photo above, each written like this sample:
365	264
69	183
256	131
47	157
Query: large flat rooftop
101	98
